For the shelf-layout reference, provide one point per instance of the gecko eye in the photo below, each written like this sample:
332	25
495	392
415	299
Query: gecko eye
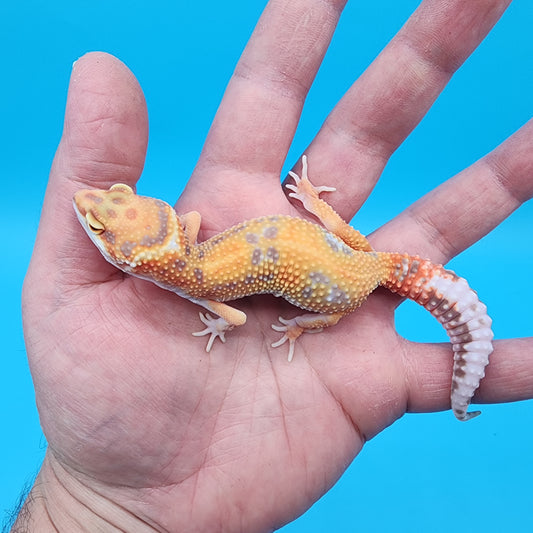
94	224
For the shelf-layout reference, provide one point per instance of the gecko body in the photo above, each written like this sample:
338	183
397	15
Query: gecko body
328	270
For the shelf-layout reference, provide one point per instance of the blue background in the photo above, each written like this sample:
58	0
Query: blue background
426	472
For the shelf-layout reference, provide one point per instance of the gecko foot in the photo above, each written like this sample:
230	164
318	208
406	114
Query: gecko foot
216	327
302	188
292	330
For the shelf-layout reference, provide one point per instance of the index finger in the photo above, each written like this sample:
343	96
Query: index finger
257	118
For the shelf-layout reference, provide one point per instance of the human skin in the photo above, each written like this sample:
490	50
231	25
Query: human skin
147	432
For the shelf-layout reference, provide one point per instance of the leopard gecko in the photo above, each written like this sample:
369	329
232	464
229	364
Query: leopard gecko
327	269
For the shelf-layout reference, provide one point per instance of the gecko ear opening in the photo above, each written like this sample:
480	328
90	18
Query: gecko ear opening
94	224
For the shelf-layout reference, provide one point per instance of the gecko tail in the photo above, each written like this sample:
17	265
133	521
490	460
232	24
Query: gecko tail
457	307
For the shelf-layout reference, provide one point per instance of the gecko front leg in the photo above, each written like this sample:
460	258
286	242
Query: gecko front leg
191	222
228	318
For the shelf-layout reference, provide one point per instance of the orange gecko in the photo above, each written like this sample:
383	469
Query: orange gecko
328	270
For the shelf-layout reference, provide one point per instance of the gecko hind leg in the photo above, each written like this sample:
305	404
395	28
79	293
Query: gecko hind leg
309	323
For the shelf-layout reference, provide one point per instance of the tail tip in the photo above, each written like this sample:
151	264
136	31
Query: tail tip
464	416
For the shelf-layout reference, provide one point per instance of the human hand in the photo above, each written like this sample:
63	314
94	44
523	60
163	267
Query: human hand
141	423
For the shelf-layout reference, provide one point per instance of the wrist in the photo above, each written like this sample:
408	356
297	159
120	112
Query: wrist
60	501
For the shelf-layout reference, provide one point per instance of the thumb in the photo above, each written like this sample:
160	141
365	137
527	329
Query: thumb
104	141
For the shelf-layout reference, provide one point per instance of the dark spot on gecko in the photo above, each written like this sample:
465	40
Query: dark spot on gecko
449	316
199	275
460	361
187	250
118	200
109	236
464	338
226	288
459	330
318	277
148	241
252	238
434	302
332	241
443	307
484	322
257	256
249	279
337	296
94	198
111	213
131	213
127	247
179	264
307	292
271	232
201	254
234	230
266	277
272	254
336	244
459	373
413	269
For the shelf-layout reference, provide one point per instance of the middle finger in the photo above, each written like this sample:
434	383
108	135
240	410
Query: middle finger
394	93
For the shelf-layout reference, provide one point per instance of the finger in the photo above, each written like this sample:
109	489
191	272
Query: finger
104	141
258	115
508	377
394	93
105	130
465	208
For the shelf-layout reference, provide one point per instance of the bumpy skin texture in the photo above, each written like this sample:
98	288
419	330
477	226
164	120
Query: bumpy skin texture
327	270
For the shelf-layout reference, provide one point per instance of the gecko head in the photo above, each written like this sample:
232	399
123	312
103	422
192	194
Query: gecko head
127	229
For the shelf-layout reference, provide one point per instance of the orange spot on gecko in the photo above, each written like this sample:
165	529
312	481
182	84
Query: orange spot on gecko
131	213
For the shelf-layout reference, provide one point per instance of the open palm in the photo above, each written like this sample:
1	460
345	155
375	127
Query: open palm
141	422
